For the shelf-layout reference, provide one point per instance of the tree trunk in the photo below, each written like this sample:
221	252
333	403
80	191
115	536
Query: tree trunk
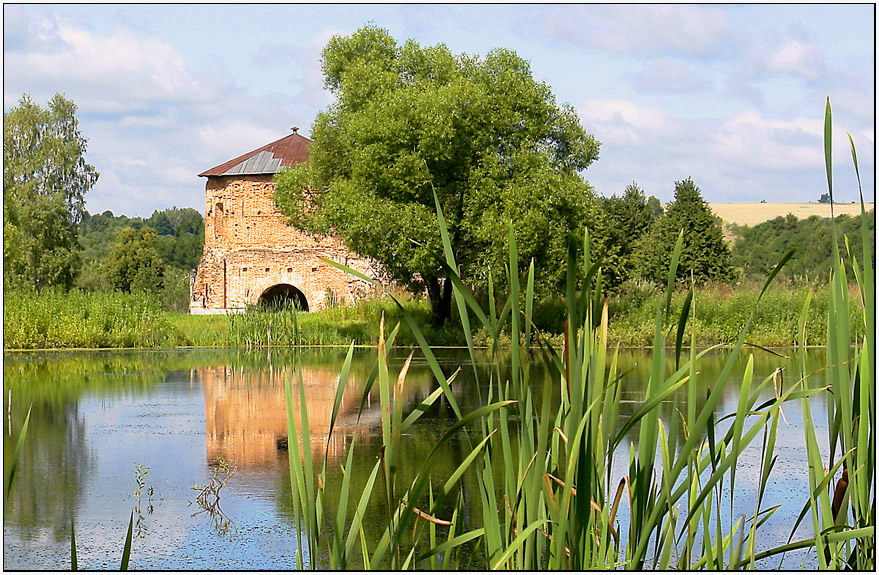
440	293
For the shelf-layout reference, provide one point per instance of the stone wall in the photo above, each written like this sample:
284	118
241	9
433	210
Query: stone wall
249	248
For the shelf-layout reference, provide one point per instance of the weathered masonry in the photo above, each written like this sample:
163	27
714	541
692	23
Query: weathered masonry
251	255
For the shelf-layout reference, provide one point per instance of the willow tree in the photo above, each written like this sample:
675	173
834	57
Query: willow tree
481	133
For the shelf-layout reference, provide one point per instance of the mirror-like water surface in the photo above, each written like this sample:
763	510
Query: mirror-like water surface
113	433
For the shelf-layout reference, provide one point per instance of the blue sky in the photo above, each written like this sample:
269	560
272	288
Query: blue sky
732	96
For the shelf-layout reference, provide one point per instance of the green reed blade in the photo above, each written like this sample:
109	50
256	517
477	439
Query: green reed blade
456	475
340	392
17	454
360	511
363	550
672	273
408	560
294	461
126	549
451	544
828	137
682	324
517	543
373	375
739	423
451	535
807	543
72	547
515	316
338	554
431	358
424	474
459	290
490	520
312	507
529	302
419	410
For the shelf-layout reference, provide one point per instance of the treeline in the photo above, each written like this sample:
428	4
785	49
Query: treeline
757	249
155	255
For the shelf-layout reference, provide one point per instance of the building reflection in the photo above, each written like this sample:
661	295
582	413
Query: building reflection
246	409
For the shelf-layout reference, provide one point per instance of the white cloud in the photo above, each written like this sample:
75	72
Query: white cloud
113	73
622	122
308	59
796	58
669	75
654	30
748	156
750	140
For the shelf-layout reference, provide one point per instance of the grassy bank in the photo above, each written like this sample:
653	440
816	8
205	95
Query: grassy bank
81	320
76	319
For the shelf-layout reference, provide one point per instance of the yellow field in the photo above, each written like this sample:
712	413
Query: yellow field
753	214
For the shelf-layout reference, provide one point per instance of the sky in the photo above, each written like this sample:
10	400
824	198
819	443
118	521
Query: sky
732	96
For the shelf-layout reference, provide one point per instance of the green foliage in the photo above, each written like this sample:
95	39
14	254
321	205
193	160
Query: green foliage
45	179
180	234
408	121
703	250
133	264
625	220
178	242
75	319
655	206
758	248
723	310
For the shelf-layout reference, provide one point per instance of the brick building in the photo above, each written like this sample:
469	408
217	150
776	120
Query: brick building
250	253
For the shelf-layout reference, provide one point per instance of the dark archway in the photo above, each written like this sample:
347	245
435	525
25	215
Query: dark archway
282	296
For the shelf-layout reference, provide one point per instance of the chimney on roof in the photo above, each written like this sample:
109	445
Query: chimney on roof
295	129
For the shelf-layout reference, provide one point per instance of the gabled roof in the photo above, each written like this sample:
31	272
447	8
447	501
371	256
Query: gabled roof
288	151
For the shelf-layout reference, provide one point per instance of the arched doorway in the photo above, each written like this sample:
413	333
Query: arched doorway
282	296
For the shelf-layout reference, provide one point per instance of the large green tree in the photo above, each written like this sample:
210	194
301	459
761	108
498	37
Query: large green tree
134	264
45	179
626	219
481	132
703	249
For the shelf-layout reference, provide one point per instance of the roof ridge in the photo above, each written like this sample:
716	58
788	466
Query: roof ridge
285	154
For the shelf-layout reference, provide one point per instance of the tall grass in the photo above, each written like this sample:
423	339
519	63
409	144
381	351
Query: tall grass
544	473
724	309
79	319
844	527
76	319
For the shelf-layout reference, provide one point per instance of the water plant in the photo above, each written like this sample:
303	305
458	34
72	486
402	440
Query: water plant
545	473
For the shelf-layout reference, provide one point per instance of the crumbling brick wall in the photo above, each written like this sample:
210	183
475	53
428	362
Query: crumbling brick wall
249	248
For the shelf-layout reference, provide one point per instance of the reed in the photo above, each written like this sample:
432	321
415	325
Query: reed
76	319
843	512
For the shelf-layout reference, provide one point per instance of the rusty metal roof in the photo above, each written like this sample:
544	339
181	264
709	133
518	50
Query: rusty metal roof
288	151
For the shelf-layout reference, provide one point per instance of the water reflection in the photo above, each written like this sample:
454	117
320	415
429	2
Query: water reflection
246	409
95	414
48	487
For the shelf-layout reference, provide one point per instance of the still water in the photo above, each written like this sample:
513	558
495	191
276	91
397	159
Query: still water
106	426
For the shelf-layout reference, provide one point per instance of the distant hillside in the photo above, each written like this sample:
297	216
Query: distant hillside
751	214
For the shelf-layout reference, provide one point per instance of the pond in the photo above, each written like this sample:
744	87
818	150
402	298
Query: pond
112	432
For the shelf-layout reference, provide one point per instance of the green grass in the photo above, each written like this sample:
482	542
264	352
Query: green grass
76	319
80	319
724	309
